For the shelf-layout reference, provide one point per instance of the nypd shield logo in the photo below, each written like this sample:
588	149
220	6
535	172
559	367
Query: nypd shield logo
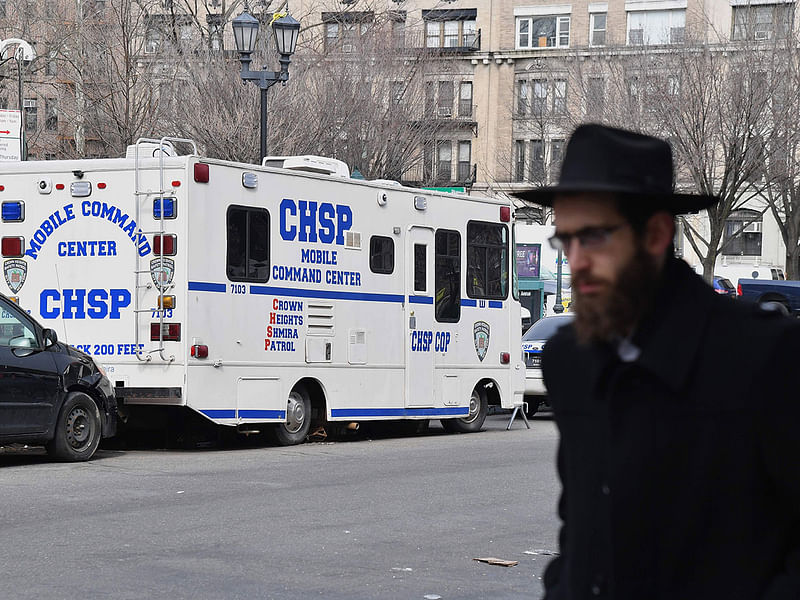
162	270
15	271
480	332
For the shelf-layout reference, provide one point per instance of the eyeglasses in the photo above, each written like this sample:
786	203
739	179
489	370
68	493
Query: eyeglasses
589	238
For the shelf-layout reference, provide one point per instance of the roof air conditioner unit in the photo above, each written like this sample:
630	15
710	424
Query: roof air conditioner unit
310	164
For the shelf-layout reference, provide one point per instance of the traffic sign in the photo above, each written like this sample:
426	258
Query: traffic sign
10	128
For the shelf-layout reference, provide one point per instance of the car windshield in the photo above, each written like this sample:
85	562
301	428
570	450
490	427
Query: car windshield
544	329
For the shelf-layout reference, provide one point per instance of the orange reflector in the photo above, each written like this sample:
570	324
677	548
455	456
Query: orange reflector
166	302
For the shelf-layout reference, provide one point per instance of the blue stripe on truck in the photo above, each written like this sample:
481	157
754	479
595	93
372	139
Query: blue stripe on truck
400	412
202	286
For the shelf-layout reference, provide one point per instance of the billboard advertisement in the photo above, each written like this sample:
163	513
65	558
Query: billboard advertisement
528	259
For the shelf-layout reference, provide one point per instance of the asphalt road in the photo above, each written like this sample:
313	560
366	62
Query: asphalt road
394	518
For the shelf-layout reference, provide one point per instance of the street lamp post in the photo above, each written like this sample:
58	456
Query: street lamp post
245	34
558	306
23	54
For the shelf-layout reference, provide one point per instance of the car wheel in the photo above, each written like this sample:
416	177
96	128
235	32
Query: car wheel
78	429
298	419
478	407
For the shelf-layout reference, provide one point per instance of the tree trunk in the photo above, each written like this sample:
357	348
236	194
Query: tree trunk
793	262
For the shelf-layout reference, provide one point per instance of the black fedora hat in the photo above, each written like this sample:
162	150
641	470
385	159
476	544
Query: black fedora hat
635	166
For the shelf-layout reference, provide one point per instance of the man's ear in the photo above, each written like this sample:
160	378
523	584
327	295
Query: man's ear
659	232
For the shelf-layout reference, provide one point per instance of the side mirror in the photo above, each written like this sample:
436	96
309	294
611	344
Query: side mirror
50	337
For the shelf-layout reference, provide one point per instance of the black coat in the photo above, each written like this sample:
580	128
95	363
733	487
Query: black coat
680	470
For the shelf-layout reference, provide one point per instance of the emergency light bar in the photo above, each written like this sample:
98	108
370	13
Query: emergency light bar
13	211
169	208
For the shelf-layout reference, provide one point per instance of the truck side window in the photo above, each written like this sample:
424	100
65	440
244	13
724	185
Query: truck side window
381	254
448	276
487	260
420	267
248	244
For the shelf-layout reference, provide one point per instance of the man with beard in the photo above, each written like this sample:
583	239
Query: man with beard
678	409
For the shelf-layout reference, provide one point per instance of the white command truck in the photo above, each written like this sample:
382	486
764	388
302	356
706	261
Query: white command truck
259	295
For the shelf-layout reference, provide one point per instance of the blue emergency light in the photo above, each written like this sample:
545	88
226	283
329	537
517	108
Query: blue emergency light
13	211
169	208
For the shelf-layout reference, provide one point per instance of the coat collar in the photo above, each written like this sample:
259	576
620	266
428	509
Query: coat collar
671	337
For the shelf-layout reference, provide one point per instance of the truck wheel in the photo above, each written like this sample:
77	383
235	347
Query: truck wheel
298	419
78	429
478	407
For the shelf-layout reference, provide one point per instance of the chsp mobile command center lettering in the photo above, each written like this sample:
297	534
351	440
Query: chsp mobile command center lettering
277	295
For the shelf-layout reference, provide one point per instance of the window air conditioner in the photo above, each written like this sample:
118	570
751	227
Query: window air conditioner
445	111
762	35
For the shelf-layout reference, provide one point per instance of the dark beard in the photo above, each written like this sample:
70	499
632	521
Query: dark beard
607	318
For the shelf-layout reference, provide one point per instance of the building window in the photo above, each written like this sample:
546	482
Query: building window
519	160
152	41
556	154
445	103
447	276
522	98
748	224
4	103
344	30
51	66
248	244
3	8
560	96
595	95
399	33
51	114
29	110
381	254
455	28
465	99
444	160
539	101
427	161
537	161
487	260
543	32
464	160
650	27
762	22
597	29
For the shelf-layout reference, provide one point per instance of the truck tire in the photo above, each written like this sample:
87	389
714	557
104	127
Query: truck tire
78	429
298	419
478	407
775	302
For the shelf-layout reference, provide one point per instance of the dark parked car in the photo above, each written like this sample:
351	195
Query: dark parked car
50	393
724	286
532	345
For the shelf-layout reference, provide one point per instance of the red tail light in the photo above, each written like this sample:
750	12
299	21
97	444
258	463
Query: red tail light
739	289
505	214
200	351
505	358
166	244
201	173
170	332
13	247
